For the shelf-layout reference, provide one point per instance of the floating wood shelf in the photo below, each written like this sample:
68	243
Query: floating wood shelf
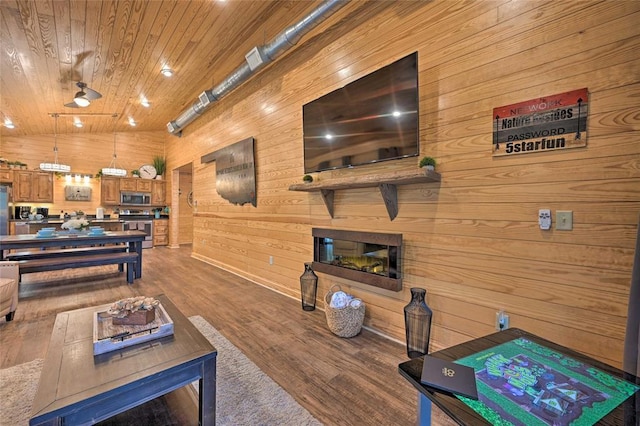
386	182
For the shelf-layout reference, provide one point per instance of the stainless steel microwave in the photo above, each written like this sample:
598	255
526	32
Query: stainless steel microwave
135	198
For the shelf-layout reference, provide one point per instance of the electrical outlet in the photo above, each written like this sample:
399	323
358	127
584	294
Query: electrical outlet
502	321
544	219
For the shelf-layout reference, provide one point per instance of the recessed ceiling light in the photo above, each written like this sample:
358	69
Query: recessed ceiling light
166	71
144	102
77	123
132	122
9	124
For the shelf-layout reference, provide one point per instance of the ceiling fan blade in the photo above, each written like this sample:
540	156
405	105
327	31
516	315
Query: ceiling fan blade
72	105
80	57
91	94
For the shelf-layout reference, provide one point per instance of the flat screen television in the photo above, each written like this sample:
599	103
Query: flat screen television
374	118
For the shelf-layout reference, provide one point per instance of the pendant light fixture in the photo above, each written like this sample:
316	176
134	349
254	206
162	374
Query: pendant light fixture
55	166
113	170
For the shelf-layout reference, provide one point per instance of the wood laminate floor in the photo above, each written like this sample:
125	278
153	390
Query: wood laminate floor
340	381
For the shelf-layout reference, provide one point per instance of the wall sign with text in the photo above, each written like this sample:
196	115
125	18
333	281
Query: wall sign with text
544	124
77	193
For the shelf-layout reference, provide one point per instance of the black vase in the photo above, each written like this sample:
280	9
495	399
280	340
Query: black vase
308	288
417	322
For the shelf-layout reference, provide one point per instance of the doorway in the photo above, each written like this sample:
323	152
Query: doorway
182	206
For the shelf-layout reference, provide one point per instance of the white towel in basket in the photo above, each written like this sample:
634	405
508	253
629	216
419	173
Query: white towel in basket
339	300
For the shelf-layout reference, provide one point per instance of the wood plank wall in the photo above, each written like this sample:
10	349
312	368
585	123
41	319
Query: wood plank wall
86	153
473	240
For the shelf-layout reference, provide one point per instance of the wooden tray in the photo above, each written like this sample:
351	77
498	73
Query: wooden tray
108	337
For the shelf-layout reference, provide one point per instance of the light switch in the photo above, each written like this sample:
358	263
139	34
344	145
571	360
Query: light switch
564	220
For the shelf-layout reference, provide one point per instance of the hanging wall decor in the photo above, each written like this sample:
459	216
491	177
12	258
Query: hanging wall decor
77	193
549	123
235	172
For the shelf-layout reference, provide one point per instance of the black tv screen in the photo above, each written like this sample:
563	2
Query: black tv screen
374	118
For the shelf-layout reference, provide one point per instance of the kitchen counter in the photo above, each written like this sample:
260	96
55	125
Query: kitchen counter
33	226
26	226
60	221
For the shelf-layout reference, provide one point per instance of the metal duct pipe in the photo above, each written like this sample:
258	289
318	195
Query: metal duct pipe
256	59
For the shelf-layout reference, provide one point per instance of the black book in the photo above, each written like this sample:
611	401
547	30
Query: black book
449	376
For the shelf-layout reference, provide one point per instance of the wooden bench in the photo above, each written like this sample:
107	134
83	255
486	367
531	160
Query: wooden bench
78	251
81	261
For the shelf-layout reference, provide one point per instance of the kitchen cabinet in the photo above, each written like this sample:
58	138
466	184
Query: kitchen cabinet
22	186
158	192
19	228
109	191
160	232
144	185
32	186
128	184
112	186
135	184
42	189
6	176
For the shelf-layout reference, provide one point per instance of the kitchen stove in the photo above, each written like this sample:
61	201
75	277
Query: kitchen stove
139	220
135	213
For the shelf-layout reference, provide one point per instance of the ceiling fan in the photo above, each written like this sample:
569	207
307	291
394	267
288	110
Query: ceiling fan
73	72
84	97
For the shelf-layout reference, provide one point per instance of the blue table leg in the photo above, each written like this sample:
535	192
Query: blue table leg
137	247
424	410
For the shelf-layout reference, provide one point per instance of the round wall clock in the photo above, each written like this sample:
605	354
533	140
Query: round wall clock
148	171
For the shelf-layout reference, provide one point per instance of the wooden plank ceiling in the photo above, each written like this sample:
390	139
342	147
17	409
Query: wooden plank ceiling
118	49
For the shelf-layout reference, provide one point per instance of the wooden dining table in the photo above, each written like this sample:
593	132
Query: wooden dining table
134	240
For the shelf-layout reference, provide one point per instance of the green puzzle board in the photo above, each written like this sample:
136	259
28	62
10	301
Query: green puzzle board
554	388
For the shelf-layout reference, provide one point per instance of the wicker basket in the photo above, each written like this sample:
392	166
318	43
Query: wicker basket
344	322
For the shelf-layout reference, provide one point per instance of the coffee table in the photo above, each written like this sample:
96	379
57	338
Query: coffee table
77	387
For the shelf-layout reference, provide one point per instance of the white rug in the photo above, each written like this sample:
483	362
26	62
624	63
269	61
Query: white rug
244	394
18	386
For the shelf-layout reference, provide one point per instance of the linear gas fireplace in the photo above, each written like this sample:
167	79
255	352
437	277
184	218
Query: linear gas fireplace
367	257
